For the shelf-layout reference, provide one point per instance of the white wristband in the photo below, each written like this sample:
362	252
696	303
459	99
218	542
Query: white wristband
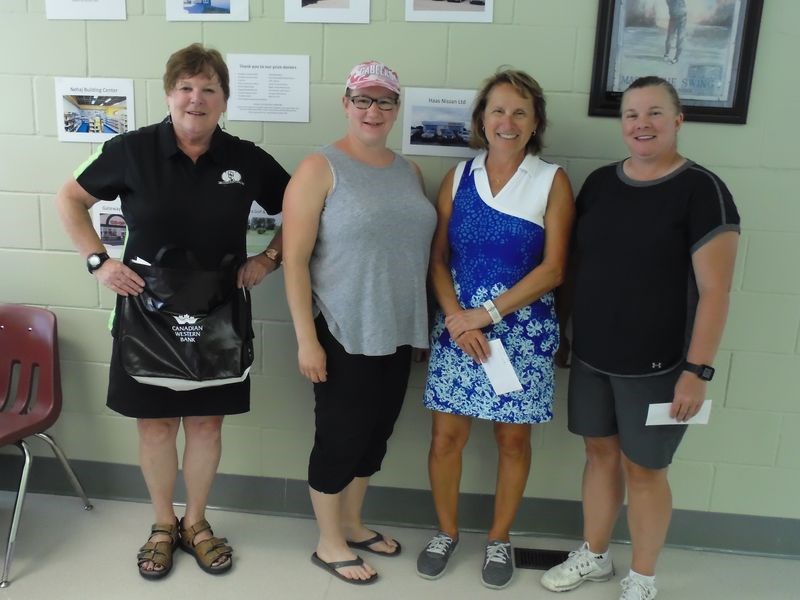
493	312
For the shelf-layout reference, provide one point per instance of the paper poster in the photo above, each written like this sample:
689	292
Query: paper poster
93	110
326	11
109	224
436	122
269	87
475	11
208	10
261	228
85	10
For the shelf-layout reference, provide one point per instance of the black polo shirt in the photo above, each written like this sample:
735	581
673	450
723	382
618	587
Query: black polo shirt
168	199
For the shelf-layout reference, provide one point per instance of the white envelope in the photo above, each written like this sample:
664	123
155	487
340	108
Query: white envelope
658	414
499	370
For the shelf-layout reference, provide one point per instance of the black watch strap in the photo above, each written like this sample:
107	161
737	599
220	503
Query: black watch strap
704	372
95	261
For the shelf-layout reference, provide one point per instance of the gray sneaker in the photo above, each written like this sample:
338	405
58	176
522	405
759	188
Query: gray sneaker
432	561
498	567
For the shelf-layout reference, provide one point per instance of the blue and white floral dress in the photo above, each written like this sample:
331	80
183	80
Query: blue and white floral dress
494	242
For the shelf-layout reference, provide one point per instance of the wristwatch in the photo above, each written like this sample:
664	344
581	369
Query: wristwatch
493	312
704	372
273	255
95	261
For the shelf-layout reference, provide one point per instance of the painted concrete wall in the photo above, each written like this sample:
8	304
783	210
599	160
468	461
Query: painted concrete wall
746	461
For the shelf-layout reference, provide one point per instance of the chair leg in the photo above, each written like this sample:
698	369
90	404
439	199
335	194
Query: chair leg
87	505
15	516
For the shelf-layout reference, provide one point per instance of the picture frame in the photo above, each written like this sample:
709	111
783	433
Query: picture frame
705	48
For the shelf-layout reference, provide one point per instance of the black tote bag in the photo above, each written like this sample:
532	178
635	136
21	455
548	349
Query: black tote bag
190	328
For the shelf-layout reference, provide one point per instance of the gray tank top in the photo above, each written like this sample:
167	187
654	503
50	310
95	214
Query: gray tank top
370	261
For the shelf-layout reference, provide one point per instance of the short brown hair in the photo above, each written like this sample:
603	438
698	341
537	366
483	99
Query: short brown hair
194	60
527	87
651	81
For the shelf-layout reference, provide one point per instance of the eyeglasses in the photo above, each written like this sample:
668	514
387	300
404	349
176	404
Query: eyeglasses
364	102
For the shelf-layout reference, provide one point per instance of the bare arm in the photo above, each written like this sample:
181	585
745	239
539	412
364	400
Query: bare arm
257	267
713	268
302	206
558	219
73	204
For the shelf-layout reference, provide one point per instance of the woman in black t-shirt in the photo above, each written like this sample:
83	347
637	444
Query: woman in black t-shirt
656	238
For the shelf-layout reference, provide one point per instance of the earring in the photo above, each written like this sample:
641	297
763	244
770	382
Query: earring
534	133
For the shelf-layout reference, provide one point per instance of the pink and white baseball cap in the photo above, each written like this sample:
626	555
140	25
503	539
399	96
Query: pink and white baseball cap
373	73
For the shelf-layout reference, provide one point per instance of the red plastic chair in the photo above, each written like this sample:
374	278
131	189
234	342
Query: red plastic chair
30	396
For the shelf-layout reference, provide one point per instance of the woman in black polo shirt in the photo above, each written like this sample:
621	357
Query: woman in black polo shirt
187	183
656	238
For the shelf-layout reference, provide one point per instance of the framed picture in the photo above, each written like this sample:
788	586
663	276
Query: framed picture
208	10
465	11
326	11
705	48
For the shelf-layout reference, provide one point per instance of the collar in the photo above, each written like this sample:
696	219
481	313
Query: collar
168	145
528	163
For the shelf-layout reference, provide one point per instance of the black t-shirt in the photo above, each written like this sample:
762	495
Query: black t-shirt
635	294
168	199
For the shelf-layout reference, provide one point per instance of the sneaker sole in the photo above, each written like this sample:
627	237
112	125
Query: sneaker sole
440	573
596	579
491	586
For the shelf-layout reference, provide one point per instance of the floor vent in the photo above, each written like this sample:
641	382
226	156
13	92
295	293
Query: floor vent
534	558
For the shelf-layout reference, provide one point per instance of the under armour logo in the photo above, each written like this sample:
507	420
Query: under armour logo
655	365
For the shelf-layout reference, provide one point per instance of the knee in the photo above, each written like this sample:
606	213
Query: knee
206	429
513	445
158	431
603	453
639	477
447	443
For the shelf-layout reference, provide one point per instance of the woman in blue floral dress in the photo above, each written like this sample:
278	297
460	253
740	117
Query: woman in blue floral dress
499	250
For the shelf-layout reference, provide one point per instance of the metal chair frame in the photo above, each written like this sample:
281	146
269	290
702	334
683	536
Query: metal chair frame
29	341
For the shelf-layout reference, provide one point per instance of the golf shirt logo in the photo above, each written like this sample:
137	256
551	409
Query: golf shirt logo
230	176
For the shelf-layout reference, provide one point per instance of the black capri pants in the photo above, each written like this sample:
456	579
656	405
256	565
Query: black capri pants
355	412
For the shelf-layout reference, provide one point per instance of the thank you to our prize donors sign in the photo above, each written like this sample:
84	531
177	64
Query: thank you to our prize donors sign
269	87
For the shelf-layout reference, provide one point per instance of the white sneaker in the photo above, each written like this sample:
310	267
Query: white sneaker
635	589
580	566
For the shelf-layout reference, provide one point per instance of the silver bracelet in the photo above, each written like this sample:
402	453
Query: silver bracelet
493	312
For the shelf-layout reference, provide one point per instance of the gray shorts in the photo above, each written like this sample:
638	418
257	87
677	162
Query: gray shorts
602	405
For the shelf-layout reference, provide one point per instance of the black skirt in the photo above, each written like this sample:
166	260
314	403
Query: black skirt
133	399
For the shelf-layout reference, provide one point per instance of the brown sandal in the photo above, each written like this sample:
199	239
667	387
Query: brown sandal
208	551
158	553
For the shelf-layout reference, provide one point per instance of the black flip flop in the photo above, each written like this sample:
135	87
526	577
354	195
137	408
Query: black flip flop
331	567
378	537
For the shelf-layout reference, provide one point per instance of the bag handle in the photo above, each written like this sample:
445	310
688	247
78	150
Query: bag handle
191	259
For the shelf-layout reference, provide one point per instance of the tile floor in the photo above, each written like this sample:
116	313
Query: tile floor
65	553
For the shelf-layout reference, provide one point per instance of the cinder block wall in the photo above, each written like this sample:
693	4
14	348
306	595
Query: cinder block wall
746	461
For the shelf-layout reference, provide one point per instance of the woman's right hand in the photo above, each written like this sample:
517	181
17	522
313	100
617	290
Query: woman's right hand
311	360
119	278
474	343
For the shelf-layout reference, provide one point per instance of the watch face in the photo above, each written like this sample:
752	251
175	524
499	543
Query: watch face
94	260
707	373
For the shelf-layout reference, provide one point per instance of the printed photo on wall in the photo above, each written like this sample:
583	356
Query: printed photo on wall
81	10
269	87
93	110
436	122
475	11
110	225
261	228
208	10
326	11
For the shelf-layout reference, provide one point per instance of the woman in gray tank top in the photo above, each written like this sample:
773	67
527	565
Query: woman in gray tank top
357	229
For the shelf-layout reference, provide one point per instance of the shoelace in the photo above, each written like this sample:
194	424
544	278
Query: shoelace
577	559
439	544
634	590
498	553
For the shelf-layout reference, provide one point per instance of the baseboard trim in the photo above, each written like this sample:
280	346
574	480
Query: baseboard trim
768	536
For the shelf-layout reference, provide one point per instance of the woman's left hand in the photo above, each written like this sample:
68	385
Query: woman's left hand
253	271
465	320
690	392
